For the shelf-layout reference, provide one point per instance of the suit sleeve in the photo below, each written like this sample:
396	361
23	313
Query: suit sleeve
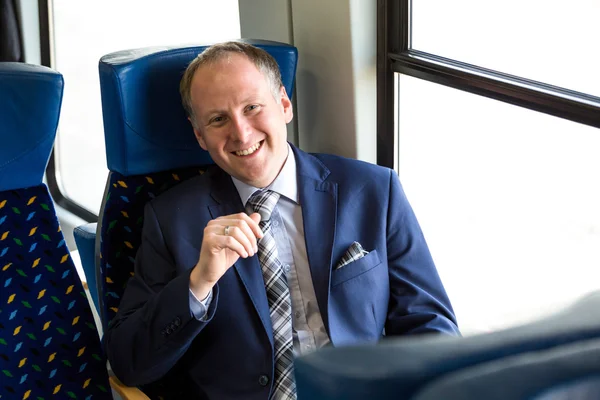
418	300
154	326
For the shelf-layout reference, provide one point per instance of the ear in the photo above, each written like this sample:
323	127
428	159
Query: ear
286	104
198	135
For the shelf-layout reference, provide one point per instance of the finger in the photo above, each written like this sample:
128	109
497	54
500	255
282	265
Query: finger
249	232
231	243
242	233
237	227
251	221
255	218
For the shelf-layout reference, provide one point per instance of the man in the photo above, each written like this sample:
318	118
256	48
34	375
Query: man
270	254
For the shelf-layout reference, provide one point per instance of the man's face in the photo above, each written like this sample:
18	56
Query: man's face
239	122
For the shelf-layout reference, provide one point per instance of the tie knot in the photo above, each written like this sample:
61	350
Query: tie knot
263	202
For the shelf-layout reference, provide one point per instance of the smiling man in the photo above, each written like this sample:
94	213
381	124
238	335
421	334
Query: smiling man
271	254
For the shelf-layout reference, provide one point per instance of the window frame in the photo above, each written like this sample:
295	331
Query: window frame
52	174
395	55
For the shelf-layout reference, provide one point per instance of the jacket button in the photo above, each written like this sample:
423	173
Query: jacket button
263	380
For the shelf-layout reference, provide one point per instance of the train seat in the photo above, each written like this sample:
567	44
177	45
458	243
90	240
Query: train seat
49	345
566	372
401	368
150	147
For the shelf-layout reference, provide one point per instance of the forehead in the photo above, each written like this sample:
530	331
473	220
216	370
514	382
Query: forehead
233	76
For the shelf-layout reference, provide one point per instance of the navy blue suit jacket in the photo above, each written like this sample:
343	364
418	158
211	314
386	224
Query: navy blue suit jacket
395	289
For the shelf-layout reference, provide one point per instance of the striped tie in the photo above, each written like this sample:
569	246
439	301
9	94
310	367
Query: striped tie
278	295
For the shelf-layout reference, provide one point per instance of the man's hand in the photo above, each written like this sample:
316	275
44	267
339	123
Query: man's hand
226	239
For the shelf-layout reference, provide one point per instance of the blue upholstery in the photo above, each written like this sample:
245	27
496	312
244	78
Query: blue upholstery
400	368
145	127
567	372
30	99
49	346
85	239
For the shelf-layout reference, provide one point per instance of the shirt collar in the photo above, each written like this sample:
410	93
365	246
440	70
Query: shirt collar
285	183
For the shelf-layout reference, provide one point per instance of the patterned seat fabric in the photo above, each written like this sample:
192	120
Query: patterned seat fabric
49	345
121	228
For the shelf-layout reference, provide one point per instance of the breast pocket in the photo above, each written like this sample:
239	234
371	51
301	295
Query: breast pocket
355	268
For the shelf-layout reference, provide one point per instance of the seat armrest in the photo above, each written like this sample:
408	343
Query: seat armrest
126	392
85	238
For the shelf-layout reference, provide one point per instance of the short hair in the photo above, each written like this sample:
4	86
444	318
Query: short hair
263	61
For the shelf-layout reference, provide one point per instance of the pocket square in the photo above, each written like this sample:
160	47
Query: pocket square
354	252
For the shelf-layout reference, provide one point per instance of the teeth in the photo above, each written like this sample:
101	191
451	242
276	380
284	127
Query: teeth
248	151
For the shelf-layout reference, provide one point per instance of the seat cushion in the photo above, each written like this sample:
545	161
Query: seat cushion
49	345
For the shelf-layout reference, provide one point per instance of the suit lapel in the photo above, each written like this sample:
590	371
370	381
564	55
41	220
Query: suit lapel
318	199
248	269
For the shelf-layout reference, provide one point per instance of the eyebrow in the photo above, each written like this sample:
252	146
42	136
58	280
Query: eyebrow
214	111
248	99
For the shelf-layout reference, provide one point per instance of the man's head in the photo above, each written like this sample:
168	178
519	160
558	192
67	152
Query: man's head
239	109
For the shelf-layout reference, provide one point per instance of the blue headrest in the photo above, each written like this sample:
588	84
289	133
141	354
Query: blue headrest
145	126
30	99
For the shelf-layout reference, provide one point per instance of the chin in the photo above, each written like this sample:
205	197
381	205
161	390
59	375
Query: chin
249	180
262	182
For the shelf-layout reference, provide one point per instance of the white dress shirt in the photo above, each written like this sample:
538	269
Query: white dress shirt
288	230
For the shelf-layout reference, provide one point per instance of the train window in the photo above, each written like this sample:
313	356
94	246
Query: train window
493	129
507	198
82	32
535	39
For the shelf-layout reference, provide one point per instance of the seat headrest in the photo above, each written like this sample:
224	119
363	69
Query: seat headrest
145	126
30	100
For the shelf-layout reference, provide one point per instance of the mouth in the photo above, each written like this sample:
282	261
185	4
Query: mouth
249	151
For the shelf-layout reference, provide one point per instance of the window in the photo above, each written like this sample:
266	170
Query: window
492	124
544	40
507	198
82	32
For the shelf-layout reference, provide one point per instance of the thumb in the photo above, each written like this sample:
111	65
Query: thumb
255	217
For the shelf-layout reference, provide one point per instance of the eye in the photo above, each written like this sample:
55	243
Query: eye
216	120
252	107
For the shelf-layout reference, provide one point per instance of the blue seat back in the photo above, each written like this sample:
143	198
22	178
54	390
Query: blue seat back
145	127
30	100
567	372
400	368
49	345
150	147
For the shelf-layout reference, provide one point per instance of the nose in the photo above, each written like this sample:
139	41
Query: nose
240	128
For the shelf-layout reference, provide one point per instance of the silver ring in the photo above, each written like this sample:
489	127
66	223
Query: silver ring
227	230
